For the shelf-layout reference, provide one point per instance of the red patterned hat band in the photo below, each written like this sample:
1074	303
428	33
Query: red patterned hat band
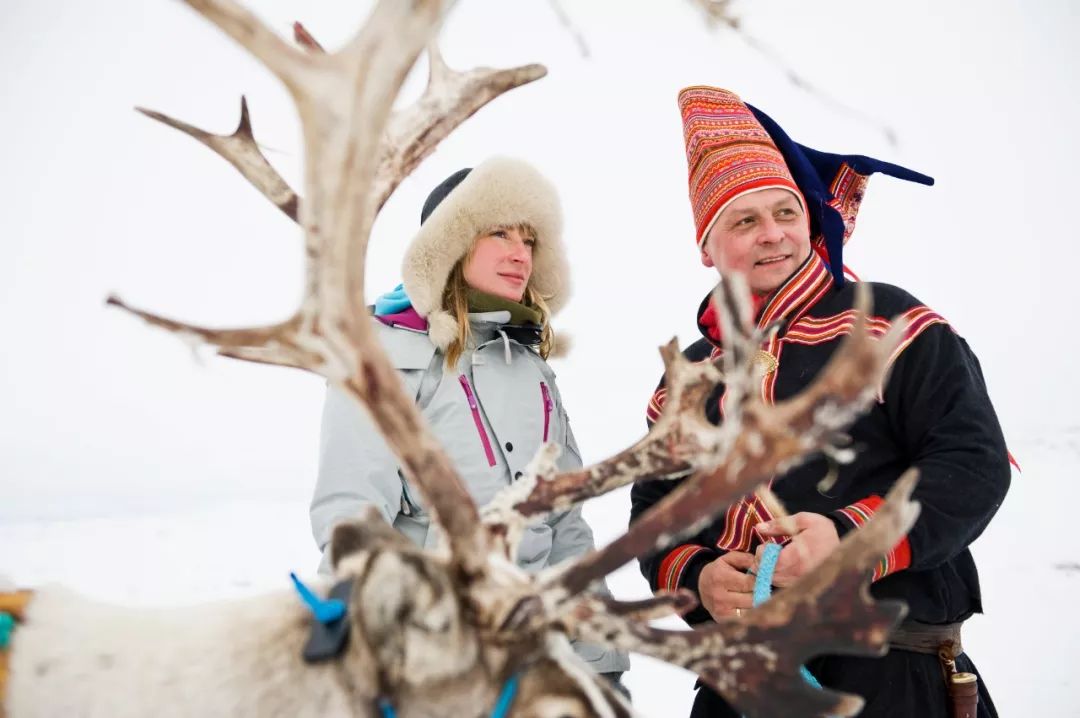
728	153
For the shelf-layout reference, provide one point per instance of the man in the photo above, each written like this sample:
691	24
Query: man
780	213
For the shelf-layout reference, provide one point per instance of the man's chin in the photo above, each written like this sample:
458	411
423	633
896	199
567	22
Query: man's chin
766	279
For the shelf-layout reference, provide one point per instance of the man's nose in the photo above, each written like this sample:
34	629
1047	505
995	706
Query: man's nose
771	231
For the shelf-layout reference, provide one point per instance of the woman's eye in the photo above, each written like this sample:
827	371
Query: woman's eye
530	243
501	233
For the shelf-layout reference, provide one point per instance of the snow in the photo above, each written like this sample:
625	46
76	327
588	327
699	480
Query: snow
132	473
1025	645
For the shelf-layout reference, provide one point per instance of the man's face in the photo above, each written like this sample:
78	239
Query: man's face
763	235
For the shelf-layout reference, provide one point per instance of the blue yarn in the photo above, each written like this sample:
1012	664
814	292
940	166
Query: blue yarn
392	302
502	705
387	708
763	591
7	625
325	610
506	697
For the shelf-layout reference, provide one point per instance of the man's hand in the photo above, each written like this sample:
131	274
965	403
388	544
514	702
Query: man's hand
814	539
723	586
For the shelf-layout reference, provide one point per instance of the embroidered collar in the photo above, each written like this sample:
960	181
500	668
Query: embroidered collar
806	283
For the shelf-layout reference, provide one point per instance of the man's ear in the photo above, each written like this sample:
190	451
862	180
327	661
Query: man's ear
705	258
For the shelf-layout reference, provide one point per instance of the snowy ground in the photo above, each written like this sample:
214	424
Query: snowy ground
1025	646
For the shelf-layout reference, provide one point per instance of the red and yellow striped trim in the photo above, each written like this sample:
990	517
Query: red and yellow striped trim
800	293
899	557
656	405
818	330
673	565
802	290
739	523
918	319
814	330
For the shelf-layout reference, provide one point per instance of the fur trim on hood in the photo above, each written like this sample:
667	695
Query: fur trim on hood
500	191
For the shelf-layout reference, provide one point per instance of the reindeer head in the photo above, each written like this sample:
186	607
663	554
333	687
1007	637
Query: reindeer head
402	606
407	616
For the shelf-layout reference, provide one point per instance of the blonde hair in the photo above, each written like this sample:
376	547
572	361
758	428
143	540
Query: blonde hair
455	300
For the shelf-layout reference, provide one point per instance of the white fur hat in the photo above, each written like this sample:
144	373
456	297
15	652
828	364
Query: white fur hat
500	191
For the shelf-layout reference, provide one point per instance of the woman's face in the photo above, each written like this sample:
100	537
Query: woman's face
500	262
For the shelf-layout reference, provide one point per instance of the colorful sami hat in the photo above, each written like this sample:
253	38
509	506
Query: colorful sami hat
728	153
727	160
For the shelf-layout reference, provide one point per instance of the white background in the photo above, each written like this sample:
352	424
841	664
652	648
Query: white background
133	471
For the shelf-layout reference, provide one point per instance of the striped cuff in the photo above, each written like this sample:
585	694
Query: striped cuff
656	406
856	515
674	565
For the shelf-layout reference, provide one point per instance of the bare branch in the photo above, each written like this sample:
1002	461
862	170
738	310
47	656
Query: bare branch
564	19
241	151
720	13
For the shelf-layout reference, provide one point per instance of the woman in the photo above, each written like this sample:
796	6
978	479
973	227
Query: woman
469	332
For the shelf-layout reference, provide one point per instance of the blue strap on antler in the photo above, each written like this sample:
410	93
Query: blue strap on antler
325	610
502	704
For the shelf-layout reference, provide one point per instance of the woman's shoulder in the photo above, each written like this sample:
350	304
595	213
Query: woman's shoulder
407	344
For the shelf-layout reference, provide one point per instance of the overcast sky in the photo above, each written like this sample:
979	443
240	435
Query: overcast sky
98	412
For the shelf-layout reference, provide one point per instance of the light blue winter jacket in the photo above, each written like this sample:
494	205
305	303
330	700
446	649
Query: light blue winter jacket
491	413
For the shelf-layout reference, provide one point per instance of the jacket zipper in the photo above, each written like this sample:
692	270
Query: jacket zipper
548	406
475	409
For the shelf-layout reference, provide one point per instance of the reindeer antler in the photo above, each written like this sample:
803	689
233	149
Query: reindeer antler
754	661
344	101
681	441
765	441
451	97
754	443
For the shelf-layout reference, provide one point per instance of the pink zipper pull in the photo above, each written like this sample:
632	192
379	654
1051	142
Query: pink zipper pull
474	408
468	392
548	406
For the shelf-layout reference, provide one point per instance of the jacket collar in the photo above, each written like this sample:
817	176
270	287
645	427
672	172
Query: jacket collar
487	326
798	291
